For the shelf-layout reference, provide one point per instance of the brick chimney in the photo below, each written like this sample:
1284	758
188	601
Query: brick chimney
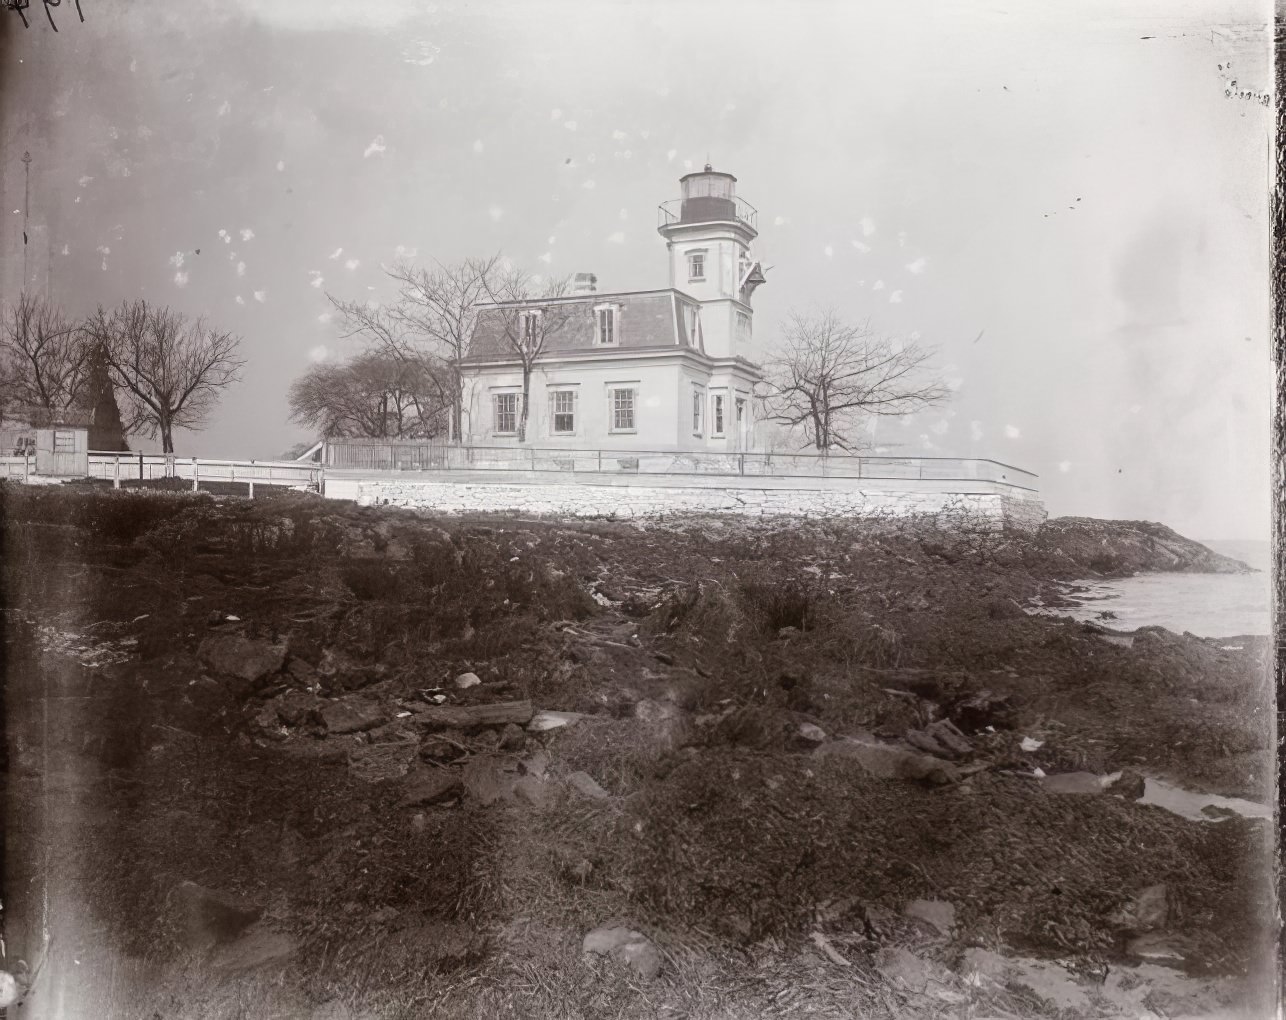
584	283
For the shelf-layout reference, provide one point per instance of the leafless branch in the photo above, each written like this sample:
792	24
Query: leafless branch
45	357
171	370
829	376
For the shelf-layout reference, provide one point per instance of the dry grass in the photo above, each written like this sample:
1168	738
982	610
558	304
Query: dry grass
721	853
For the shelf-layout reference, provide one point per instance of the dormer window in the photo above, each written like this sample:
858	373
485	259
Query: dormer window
606	323
697	265
529	326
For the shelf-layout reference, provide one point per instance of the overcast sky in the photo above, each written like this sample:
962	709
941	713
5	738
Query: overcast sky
1060	198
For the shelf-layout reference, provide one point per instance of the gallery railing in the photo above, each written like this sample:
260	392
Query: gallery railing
383	455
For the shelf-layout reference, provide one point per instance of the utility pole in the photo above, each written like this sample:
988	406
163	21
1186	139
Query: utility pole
26	209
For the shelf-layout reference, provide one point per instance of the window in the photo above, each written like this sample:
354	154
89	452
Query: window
506	413
741	411
698	403
606	316
563	411
697	265
622	401
64	442
743	326
716	410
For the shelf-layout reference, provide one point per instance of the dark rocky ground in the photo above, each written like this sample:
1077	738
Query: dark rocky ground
294	758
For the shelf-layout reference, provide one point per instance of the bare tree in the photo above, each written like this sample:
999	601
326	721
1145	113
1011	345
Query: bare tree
828	376
524	315
374	395
433	320
172	370
46	359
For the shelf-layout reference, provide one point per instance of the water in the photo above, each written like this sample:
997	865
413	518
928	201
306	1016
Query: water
1198	806
1208	605
1253	552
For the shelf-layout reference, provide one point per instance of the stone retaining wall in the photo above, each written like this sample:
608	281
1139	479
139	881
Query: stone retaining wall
642	501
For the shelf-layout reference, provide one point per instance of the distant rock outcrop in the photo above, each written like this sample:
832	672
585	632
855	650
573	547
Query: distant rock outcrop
1129	547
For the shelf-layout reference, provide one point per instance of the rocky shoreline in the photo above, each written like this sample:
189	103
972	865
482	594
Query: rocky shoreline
496	747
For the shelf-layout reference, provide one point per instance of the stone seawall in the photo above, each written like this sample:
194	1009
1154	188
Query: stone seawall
652	501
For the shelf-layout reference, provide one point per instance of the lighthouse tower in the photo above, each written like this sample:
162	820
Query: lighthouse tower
708	234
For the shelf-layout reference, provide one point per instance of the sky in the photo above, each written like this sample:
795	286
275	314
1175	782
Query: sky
1062	200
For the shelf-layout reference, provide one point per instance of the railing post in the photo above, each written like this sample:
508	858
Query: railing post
26	466
741	463
252	480
600	459
116	472
140	465
196	474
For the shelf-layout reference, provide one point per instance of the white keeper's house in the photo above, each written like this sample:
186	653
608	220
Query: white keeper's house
664	370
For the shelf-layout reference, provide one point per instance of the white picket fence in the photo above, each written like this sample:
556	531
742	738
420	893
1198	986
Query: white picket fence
124	467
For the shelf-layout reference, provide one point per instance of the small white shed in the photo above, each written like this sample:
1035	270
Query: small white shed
56	443
62	451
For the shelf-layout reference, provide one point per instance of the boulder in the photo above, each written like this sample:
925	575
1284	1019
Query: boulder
666	724
533	790
937	913
248	659
466	680
891	761
923	741
208	916
627	947
901	967
809	735
485	782
536	763
301	670
351	715
1129	785
294	708
585	784
512	737
430	786
266	722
